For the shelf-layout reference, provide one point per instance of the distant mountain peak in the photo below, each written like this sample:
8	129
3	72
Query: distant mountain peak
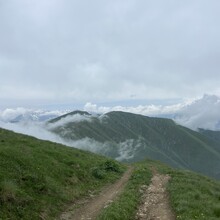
70	114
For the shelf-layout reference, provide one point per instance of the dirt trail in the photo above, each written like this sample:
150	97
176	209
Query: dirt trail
155	202
92	208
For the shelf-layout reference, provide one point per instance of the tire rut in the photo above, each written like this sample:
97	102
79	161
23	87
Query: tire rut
91	209
155	200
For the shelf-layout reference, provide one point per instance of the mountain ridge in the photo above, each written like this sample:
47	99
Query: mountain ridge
143	137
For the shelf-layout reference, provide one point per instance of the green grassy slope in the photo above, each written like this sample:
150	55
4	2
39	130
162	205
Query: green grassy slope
214	135
153	138
192	196
39	178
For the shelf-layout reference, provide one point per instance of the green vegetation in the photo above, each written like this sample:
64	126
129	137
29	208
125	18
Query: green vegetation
214	135
124	208
192	196
103	169
145	137
39	178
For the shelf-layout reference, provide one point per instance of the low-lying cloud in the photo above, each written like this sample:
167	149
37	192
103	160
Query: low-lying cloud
69	119
202	113
127	149
122	151
150	110
35	129
25	114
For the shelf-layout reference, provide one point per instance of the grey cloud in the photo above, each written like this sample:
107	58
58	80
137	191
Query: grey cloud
89	51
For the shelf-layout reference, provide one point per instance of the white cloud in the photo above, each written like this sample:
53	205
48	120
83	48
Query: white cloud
34	129
69	119
150	110
10	114
25	114
127	149
202	113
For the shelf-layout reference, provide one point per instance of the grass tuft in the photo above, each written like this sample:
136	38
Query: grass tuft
104	169
8	191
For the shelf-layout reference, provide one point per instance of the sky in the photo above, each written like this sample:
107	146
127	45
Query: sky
56	52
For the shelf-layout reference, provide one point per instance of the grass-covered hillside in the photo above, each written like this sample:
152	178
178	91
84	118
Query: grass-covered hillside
214	135
39	178
131	137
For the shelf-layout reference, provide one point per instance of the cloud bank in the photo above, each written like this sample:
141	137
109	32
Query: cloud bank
202	113
25	114
197	113
150	110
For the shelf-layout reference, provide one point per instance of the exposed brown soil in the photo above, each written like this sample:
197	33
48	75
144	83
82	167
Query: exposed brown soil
91	208
155	200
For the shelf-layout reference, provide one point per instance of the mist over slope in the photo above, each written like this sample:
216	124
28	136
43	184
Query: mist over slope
131	137
202	113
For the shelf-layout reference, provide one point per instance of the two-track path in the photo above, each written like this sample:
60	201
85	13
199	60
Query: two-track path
155	199
154	202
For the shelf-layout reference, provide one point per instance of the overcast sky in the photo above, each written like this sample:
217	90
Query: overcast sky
68	51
